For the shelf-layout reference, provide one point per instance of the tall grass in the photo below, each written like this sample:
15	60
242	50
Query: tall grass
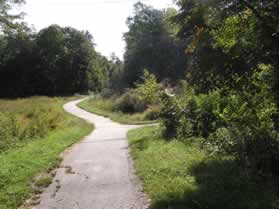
25	119
33	132
107	107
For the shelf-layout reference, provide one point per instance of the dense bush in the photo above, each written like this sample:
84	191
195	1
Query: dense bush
130	102
140	98
178	112
170	115
139	105
153	112
106	93
149	90
233	121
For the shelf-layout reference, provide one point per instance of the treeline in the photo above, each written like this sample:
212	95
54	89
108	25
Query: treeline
55	61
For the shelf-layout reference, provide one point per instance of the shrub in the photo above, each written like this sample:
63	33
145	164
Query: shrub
149	90
145	94
207	113
239	122
185	128
106	93
177	111
170	115
130	102
248	115
222	141
153	112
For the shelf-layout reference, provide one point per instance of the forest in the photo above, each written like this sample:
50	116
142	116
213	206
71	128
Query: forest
207	71
53	61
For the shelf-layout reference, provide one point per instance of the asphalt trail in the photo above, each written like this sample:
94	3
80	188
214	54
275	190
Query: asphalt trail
96	173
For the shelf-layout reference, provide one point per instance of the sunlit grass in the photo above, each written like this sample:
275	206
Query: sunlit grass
25	119
20	164
106	107
181	175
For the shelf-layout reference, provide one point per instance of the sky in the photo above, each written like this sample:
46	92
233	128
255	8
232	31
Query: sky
104	19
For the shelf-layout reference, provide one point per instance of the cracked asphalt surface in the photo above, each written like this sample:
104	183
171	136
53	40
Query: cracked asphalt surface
96	173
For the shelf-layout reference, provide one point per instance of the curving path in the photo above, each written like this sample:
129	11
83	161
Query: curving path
97	172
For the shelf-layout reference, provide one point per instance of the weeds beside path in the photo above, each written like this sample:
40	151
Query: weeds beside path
105	107
181	175
20	164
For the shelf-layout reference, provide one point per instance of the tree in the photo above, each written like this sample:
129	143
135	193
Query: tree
69	62
16	61
56	61
209	66
115	69
265	30
150	44
148	91
6	19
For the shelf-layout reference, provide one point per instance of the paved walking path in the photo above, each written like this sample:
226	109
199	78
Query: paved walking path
97	172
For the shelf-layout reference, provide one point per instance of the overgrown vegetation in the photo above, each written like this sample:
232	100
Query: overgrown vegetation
236	122
181	175
25	119
136	106
35	132
105	107
228	95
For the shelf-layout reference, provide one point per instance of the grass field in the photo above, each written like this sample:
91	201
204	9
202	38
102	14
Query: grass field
179	175
31	151
105	107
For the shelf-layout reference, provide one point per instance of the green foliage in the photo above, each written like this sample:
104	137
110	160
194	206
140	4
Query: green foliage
43	181
35	120
131	102
140	98
227	36
249	118
207	112
175	109
151	44
153	112
149	90
31	156
237	122
235	31
258	40
6	16
106	93
140	105
170	115
46	57
181	175
68	51
107	107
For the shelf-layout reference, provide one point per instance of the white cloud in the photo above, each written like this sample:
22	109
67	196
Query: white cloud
105	19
